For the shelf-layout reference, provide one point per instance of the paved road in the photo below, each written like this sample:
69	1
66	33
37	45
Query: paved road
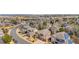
1	41
16	37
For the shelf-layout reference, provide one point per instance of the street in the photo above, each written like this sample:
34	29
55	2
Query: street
18	39
1	41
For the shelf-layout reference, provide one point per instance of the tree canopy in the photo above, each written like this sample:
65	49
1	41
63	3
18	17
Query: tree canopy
6	38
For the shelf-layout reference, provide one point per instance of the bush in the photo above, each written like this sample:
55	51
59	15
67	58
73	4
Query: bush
5	31
6	38
45	23
61	30
40	27
14	21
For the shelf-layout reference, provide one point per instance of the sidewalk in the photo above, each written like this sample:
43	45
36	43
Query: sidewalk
27	38
9	31
39	42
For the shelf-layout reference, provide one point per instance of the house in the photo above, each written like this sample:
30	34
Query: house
54	29
29	31
69	28
58	38
77	21
44	34
61	38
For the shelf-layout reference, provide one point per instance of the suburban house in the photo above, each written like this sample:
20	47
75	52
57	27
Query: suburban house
58	38
77	21
69	28
61	38
29	31
54	29
44	34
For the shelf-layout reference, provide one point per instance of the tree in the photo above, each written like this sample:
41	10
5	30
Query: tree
45	23
40	27
5	31
52	22
61	30
14	21
6	38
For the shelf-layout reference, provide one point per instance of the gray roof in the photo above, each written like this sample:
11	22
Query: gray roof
59	35
45	32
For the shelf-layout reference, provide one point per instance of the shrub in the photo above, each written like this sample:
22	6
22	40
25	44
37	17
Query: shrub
6	38
61	30
40	27
14	21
